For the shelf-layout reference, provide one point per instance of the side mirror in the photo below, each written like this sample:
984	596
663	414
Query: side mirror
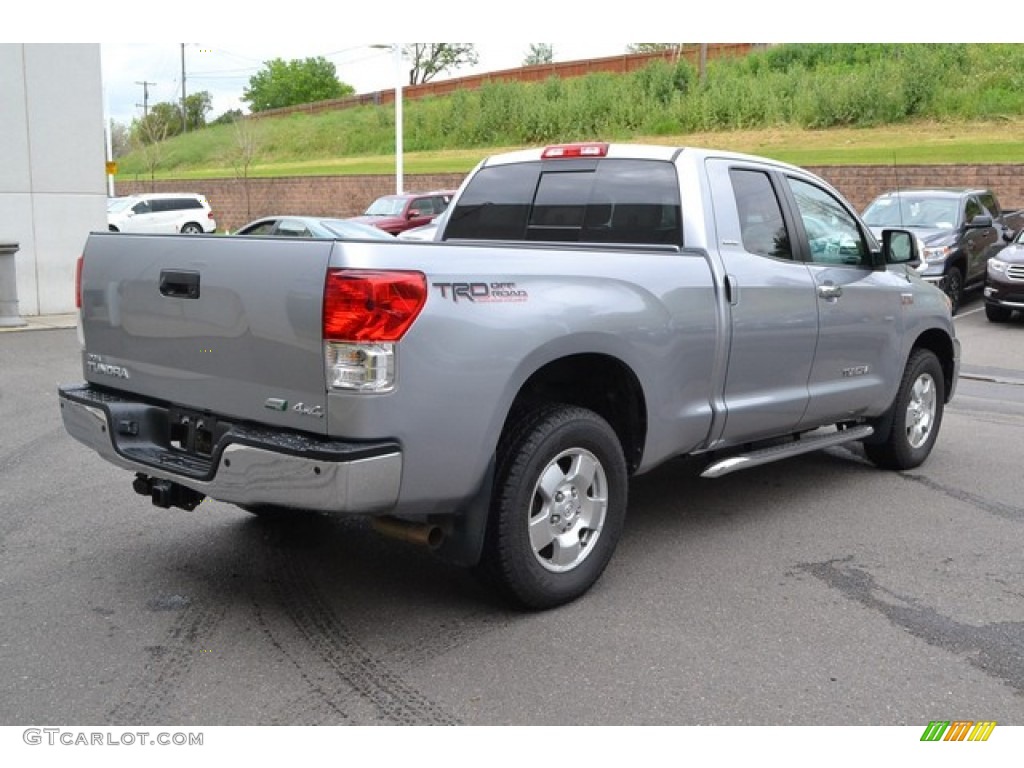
900	247
414	213
980	222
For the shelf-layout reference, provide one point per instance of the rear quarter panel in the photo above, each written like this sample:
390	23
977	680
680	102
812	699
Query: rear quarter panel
472	348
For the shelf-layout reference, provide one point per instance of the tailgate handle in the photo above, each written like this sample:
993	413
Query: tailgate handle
183	285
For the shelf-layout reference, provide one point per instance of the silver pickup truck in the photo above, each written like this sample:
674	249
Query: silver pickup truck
587	312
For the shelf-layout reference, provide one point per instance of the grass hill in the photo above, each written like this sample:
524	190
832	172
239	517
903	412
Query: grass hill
810	104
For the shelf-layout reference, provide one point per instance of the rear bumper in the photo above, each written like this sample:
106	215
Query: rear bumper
248	465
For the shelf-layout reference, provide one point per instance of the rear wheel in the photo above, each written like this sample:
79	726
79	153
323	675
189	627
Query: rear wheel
915	416
558	506
997	314
191	229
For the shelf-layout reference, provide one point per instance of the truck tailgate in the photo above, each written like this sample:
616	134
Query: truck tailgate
229	325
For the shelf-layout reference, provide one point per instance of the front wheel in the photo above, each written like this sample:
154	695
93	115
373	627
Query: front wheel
558	506
914	419
954	286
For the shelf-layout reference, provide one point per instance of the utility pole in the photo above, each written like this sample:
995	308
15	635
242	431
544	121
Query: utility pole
184	117
145	96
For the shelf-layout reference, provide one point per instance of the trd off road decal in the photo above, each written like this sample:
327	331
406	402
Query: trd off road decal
481	292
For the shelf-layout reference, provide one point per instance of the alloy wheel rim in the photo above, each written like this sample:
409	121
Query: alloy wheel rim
567	510
921	410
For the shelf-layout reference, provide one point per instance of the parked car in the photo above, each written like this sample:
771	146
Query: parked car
959	231
397	213
1004	282
427	231
184	212
312	226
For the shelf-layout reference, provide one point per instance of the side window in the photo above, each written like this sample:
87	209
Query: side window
762	228
972	209
142	207
989	201
833	236
264	228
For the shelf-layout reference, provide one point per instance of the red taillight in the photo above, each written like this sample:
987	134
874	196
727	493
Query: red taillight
78	282
371	306
586	149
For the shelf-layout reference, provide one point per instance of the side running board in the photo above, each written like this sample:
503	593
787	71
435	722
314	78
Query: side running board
785	451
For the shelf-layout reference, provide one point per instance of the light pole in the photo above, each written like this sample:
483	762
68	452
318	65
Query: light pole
396	49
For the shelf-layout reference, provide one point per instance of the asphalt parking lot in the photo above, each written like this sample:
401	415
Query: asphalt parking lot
817	591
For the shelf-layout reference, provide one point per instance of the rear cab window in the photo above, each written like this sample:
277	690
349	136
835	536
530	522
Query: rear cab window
586	200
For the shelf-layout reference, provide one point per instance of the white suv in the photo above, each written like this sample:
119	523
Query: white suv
164	212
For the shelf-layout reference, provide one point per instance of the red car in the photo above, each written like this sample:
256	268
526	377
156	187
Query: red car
397	213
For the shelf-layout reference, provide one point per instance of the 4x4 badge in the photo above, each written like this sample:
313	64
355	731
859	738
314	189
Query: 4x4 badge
309	410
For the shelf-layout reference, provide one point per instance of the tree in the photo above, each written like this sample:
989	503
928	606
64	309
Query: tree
430	59
165	115
228	117
149	135
283	83
539	53
242	154
196	106
120	139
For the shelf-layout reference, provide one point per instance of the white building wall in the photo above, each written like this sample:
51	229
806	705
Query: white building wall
52	174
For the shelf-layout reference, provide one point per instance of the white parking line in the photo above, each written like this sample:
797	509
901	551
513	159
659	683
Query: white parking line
969	312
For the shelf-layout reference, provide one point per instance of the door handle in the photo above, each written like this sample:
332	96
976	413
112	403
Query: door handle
830	291
176	284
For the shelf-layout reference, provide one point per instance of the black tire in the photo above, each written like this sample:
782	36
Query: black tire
577	515
915	416
191	229
997	314
954	287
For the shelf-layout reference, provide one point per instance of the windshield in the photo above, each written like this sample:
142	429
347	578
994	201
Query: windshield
930	213
386	206
118	204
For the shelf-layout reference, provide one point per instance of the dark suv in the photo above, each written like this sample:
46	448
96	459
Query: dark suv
397	213
958	229
1004	283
